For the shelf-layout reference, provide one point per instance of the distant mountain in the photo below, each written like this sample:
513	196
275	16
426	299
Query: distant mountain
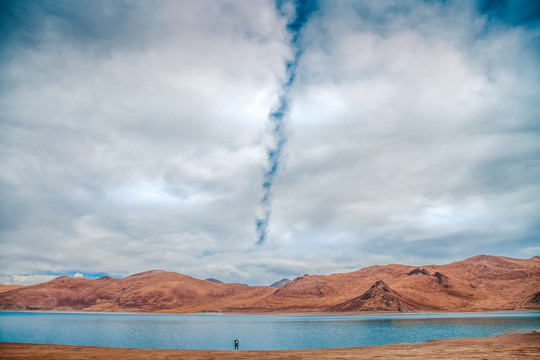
214	280
475	284
280	283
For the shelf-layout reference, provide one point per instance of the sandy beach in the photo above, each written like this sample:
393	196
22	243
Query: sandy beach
509	346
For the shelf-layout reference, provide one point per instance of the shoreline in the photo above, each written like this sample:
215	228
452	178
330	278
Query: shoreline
514	346
314	313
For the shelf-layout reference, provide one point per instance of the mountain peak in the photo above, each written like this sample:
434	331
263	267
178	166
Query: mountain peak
379	297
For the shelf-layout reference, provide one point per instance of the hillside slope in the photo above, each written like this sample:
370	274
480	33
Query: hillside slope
475	284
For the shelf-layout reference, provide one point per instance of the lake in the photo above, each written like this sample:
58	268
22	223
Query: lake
255	332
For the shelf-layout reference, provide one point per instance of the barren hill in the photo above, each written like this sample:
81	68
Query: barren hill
151	291
475	284
4	288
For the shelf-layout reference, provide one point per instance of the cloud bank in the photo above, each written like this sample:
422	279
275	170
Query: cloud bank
136	136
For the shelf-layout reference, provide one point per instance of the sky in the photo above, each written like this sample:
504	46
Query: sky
252	140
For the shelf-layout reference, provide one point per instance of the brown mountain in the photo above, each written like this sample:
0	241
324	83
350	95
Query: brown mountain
475	284
478	283
151	291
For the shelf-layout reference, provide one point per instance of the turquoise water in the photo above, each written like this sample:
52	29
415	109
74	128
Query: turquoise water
255	332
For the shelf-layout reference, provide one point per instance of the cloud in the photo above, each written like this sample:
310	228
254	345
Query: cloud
408	139
26	279
78	275
137	138
151	144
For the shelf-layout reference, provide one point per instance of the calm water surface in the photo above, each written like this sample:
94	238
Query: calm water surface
255	332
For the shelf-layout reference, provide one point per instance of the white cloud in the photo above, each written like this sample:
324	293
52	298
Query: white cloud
78	275
417	154
25	279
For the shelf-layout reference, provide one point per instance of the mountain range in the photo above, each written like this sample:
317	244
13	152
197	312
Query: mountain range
480	283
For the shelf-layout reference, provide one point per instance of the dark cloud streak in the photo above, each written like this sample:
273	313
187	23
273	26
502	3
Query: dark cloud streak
303	11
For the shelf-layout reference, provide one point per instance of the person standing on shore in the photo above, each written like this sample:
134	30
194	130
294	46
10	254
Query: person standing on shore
236	342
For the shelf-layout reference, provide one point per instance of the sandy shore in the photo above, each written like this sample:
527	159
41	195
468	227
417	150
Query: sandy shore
510	346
